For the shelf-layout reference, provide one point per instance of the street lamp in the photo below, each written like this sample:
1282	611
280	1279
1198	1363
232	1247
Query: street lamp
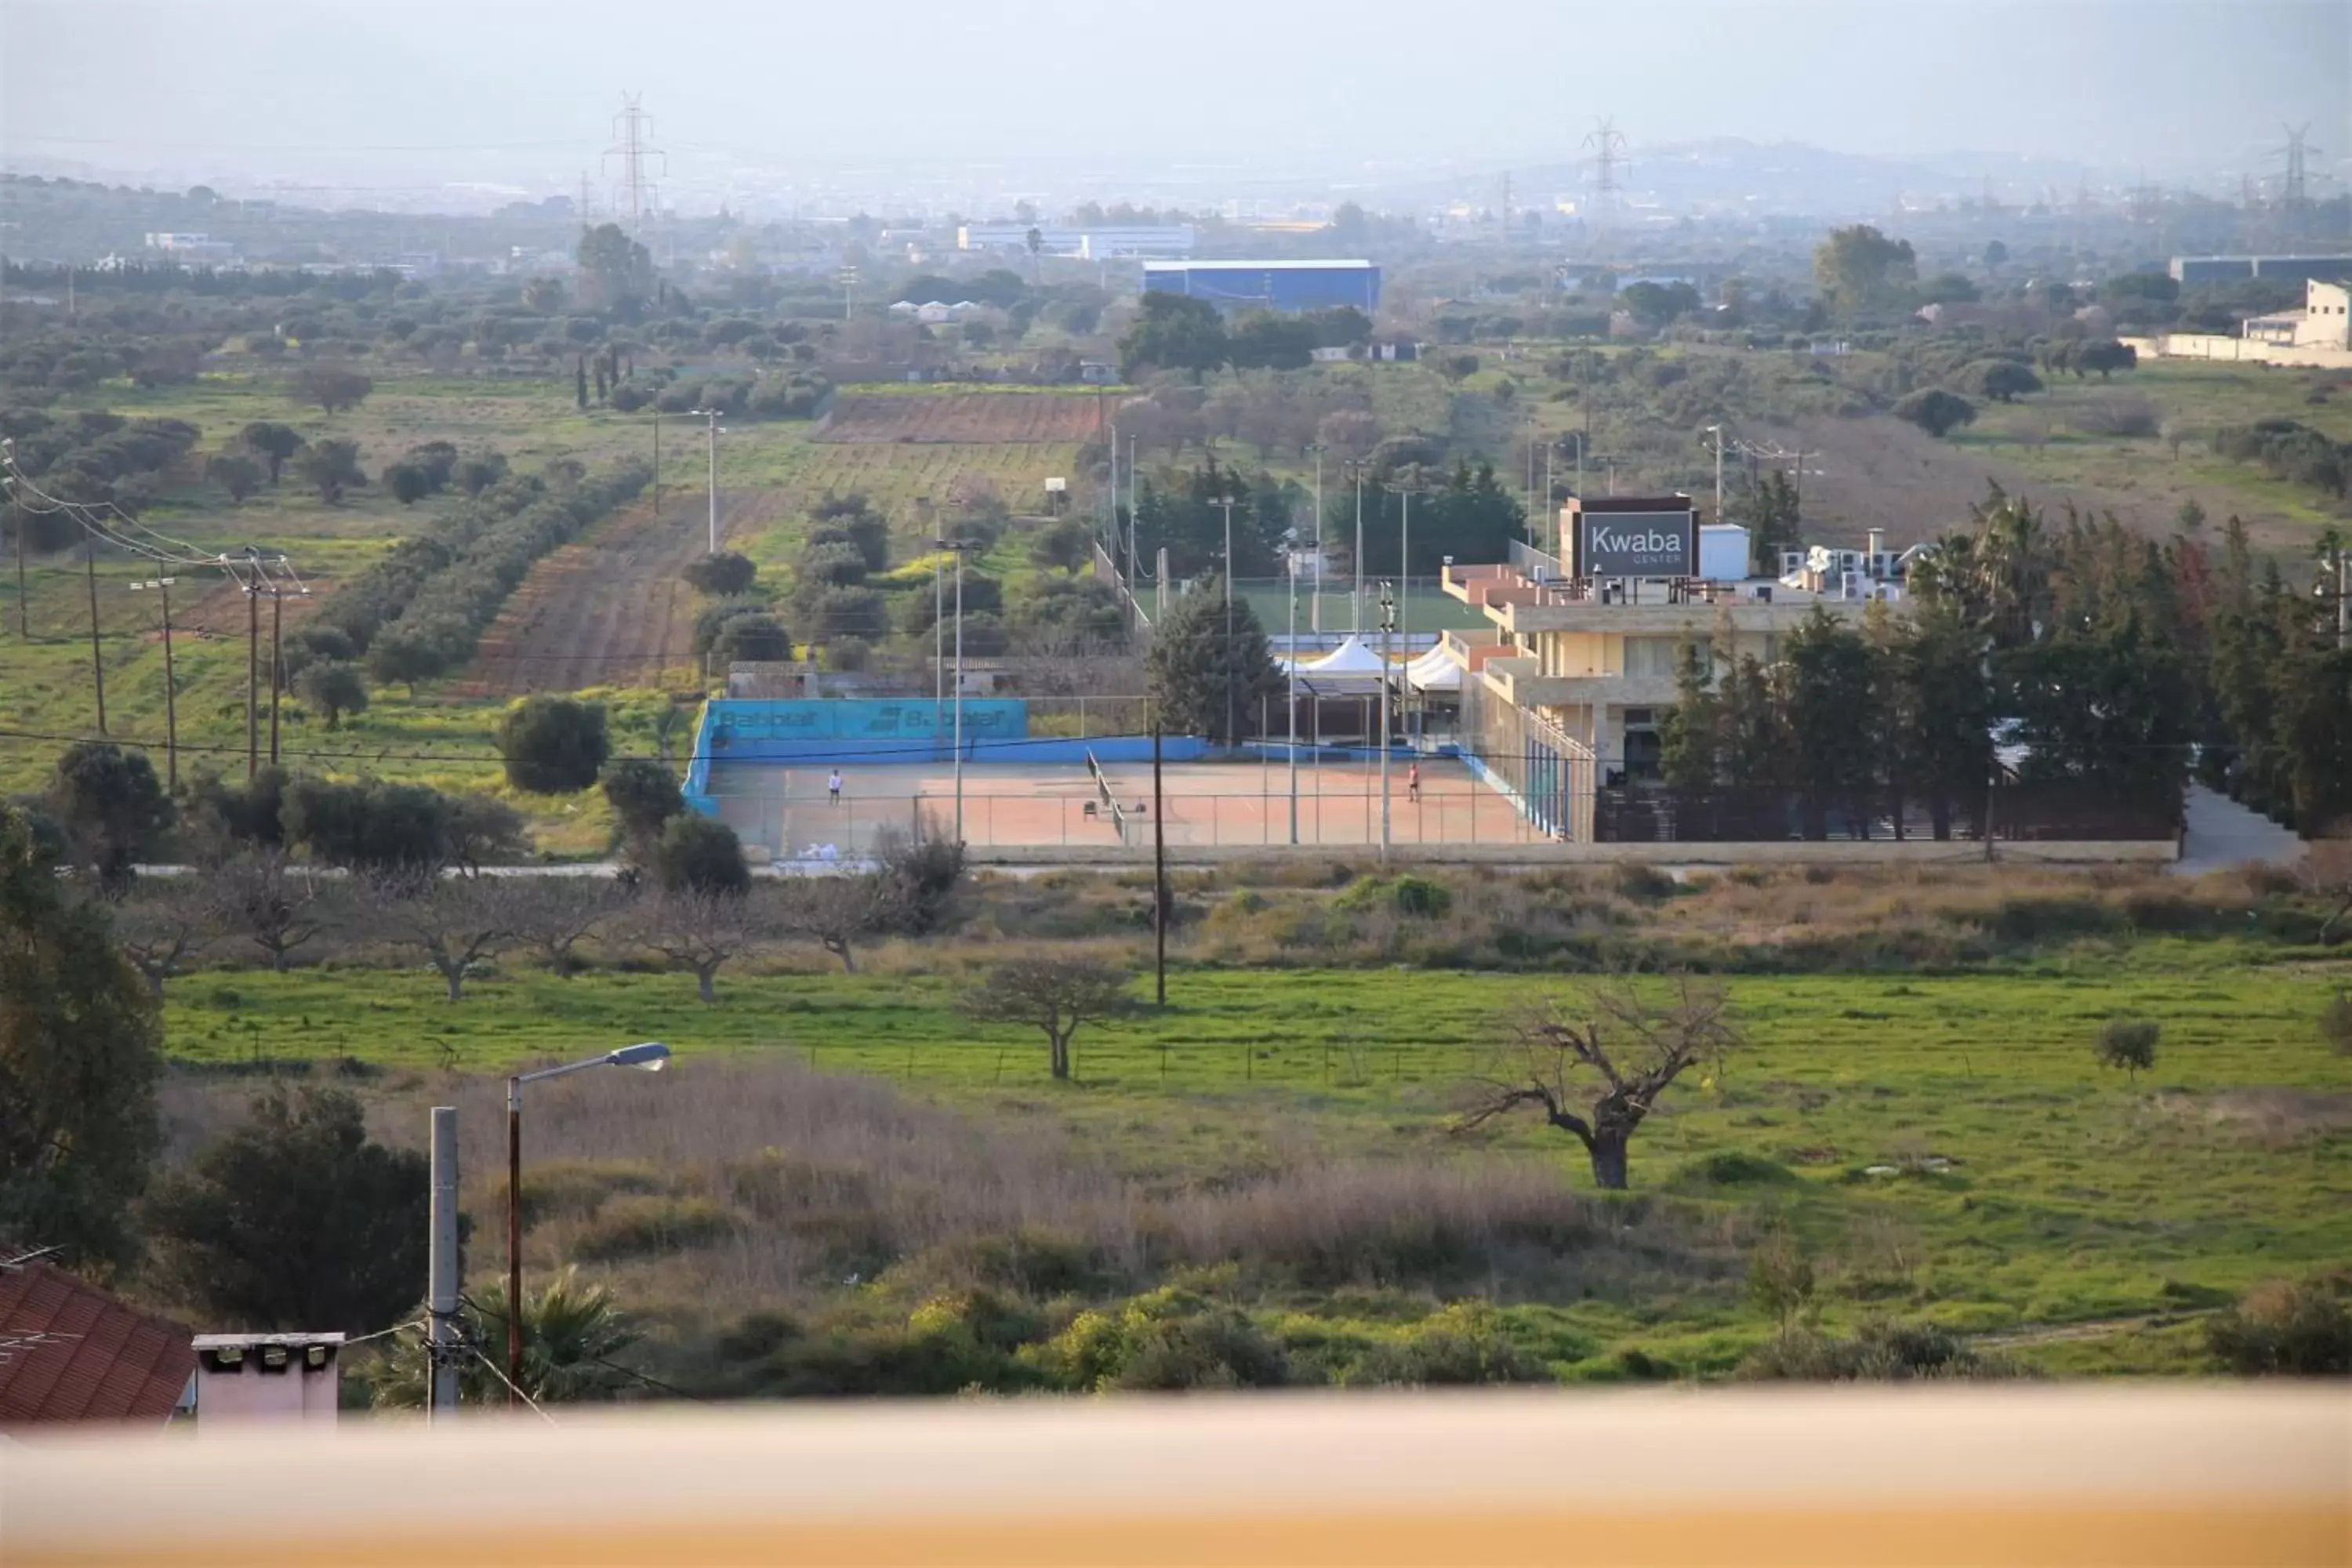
716	430
651	1055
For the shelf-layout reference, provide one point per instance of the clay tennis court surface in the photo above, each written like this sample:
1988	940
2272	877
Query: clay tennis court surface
786	810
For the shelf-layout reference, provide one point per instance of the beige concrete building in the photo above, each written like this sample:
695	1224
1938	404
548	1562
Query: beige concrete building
2325	321
1566	694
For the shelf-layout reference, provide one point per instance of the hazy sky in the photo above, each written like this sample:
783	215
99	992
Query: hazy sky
422	92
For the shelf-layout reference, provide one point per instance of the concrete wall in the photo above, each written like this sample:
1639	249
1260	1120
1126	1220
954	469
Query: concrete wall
2212	346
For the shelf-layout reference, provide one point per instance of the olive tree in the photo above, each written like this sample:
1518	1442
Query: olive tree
1594	1062
1055	996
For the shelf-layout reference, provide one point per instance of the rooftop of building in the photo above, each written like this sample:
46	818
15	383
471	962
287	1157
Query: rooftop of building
72	1352
1258	266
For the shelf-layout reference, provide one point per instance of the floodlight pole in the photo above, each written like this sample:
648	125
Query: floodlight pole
1315	614
1356	616
1388	621
1232	723
1293	747
958	695
1716	431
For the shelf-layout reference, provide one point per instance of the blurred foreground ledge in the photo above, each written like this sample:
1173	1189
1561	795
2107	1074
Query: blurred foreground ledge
2053	1476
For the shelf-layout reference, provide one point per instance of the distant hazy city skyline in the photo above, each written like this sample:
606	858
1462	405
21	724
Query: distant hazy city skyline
372	103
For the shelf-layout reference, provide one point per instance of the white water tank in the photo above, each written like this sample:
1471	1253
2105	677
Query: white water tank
1722	551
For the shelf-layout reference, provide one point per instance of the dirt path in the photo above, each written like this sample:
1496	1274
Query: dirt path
2064	1333
606	610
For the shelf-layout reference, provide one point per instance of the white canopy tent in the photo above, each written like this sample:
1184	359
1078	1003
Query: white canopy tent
1434	671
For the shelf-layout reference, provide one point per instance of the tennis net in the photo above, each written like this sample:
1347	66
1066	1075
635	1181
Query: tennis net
1111	808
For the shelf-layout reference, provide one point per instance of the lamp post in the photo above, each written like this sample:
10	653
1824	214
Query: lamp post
650	1056
716	430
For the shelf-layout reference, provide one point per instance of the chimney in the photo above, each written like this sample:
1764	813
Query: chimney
268	1377
1876	541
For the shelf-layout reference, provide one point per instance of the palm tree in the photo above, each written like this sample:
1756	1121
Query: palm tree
570	1332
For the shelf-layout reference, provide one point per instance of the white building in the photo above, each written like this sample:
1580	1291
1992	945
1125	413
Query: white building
1091	244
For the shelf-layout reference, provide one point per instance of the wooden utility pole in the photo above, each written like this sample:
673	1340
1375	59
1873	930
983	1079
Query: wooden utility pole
252	676
1159	875
276	665
97	665
162	586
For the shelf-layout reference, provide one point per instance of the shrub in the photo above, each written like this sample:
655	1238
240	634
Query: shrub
1936	411
2336	1022
368	825
645	796
700	855
297	1221
754	638
553	745
1417	897
721	574
711	619
2129	1044
1463	1346
2284	1329
1881	1352
641	1223
1168	1339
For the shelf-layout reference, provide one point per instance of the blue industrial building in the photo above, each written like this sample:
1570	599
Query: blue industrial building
1287	285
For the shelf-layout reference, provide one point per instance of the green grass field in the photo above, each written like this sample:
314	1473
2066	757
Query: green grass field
1949	1142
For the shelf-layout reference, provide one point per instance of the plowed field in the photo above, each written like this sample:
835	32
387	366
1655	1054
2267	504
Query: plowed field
607	610
975	418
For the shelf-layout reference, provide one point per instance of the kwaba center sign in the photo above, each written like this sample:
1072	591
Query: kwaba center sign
1637	545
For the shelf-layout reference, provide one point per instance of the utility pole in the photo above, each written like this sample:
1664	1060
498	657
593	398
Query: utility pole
97	666
1716	431
1388	620
162	586
442	1273
711	415
1130	520
252	676
276	663
1159	875
656	462
8	481
1110	503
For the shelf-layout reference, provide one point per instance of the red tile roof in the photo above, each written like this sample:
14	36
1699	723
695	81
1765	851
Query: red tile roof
70	1351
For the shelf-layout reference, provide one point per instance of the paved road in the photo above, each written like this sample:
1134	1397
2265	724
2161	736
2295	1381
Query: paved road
2222	834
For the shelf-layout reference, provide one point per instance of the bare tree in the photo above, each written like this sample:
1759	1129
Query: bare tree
456	922
1633	1040
161	923
837	912
1052	995
2325	873
275	903
700	932
553	915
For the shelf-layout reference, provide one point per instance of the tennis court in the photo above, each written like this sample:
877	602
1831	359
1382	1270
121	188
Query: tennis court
786	811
